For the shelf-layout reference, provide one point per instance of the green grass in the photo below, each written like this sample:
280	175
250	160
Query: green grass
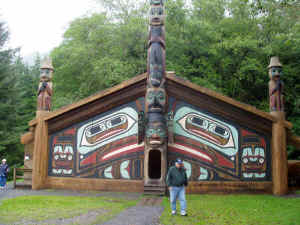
297	192
235	210
17	180
39	208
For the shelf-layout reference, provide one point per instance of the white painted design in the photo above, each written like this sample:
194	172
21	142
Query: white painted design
108	172
123	169
249	156
191	151
188	169
127	116
208	132
203	174
121	150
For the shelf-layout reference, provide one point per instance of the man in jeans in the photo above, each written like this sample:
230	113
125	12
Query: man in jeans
176	181
3	173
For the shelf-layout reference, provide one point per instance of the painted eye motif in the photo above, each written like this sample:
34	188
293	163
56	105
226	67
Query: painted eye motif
150	132
218	130
198	122
261	160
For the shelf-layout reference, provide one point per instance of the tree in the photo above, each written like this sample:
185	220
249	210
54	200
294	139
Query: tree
7	96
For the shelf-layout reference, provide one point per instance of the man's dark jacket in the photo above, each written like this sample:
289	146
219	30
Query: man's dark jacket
4	170
176	177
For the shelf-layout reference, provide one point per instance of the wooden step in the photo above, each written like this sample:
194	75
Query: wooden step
154	190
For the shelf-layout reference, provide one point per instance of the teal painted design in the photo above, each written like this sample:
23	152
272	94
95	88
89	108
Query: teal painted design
207	130
105	130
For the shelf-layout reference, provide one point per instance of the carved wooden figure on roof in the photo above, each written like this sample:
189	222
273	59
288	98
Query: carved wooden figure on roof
45	86
275	85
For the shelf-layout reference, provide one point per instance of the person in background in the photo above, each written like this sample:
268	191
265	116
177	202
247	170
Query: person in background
176	181
4	169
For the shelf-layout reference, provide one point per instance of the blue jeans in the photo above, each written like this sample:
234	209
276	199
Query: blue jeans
2	181
178	192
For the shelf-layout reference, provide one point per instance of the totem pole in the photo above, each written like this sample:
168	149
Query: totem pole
45	86
275	85
40	150
279	153
156	100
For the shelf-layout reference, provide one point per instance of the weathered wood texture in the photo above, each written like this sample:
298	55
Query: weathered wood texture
95	184
229	187
279	157
40	153
27	138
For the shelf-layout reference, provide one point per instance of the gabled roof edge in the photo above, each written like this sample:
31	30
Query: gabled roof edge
231	101
171	76
92	98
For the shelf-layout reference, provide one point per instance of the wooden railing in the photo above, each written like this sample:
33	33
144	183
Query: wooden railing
15	176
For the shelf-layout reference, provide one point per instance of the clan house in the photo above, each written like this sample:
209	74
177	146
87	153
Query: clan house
125	138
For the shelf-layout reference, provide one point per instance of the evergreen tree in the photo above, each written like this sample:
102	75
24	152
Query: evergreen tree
7	97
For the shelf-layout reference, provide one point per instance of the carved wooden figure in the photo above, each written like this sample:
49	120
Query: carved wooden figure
45	87
275	85
156	133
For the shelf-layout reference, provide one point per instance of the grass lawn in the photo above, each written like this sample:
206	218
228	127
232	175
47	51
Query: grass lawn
235	210
40	208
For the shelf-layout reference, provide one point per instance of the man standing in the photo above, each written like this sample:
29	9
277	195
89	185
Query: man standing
176	181
3	173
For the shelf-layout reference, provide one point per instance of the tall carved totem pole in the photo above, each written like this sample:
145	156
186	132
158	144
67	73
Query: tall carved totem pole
156	100
45	86
279	153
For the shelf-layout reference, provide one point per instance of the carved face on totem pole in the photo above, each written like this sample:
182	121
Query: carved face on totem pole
46	71
275	68
275	73
46	74
156	100
157	15
156	131
156	64
157	32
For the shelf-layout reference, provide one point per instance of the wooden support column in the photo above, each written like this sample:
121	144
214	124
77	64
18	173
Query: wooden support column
279	156
40	152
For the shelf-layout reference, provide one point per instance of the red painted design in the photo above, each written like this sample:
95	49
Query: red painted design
71	131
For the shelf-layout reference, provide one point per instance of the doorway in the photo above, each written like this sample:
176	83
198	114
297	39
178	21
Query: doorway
154	169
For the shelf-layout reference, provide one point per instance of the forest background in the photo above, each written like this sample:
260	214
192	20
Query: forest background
224	45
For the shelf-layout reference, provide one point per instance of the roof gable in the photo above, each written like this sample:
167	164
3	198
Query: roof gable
136	87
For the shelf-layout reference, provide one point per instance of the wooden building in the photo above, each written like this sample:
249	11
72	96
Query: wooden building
126	137
226	146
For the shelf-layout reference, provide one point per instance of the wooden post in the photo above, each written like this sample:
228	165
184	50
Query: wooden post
279	156
15	172
40	152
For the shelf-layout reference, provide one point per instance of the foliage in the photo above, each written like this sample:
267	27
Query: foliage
18	85
235	209
40	208
97	54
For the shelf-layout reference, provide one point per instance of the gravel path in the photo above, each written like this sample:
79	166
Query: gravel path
147	212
